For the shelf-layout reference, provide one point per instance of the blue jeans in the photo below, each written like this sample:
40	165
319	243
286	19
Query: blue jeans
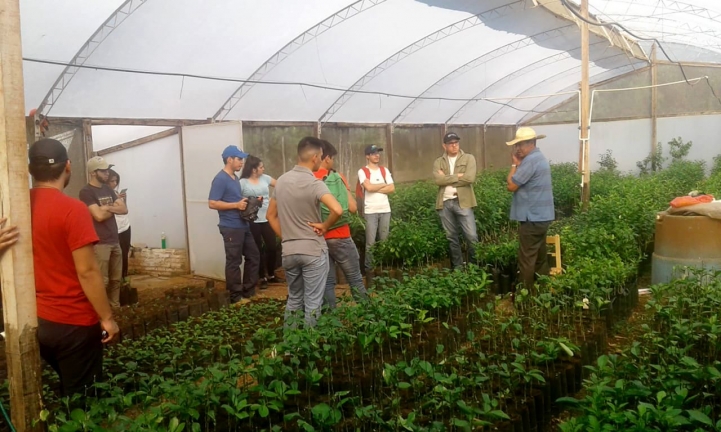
306	276
377	226
455	221
344	253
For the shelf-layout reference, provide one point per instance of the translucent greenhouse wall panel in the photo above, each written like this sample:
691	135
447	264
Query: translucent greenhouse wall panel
569	103
704	131
482	83
628	140
608	106
108	136
523	78
418	69
276	146
351	142
685	99
343	54
114	94
152	175
47	35
692	22
519	108
165	35
202	149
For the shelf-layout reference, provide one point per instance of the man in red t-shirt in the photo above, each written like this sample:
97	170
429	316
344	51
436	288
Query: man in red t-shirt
341	249
74	315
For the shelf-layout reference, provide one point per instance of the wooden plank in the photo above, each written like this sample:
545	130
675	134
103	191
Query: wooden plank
353	125
585	160
109	121
279	124
139	141
184	194
420	125
16	264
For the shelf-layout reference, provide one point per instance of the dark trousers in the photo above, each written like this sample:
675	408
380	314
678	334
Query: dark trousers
74	352
532	253
125	247
238	244
266	242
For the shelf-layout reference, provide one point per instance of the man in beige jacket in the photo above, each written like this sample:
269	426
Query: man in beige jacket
454	173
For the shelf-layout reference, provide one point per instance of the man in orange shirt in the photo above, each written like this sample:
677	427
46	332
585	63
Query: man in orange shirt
341	249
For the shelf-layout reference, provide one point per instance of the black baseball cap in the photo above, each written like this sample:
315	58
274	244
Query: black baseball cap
47	151
450	136
372	149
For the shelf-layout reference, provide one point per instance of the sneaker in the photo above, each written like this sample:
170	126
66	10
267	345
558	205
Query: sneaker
273	280
264	284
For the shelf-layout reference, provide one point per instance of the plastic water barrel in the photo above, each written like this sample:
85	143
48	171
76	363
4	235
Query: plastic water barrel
684	241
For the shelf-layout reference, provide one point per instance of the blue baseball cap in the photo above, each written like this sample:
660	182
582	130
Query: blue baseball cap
234	151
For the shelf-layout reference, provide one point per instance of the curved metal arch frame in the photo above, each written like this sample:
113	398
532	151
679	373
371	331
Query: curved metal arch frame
481	60
518	72
695	29
680	6
459	26
561	75
526	118
676	6
292	46
106	28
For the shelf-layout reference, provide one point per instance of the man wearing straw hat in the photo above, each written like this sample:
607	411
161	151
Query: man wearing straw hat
532	206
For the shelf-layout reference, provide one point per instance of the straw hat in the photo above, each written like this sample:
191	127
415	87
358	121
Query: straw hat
525	134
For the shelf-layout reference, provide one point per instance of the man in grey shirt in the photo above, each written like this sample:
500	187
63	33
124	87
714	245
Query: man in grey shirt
294	215
532	205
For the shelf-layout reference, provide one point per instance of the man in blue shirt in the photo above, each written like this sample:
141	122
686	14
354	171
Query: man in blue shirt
532	206
226	197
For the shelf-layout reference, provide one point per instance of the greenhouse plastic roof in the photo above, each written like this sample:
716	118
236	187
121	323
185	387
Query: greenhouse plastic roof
402	61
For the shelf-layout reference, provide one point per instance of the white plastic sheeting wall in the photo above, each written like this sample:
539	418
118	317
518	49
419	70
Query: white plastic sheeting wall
202	149
152	175
630	141
108	136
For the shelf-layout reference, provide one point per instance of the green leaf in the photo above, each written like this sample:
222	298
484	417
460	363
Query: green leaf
700	417
499	414
565	348
263	411
461	423
568	400
44	415
404	385
78	415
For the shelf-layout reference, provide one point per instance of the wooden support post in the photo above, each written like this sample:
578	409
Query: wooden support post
87	144
16	264
585	160
181	149
389	145
654	102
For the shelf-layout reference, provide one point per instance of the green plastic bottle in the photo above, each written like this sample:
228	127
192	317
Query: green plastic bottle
162	241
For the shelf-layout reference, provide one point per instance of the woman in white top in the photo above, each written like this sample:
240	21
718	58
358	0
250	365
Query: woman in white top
123	222
254	183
